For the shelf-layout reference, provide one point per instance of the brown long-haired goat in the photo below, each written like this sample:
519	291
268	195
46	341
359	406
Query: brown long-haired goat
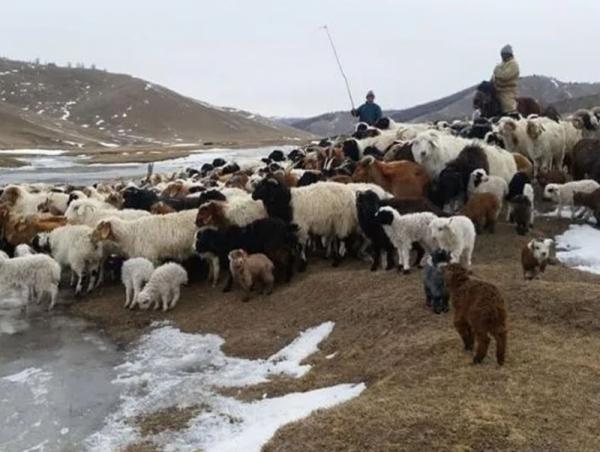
483	210
250	271
478	312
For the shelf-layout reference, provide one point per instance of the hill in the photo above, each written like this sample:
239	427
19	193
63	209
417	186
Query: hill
547	90
117	108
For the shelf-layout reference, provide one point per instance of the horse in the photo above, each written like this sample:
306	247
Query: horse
486	101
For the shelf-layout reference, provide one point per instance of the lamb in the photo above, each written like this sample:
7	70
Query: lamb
480	182
250	270
455	235
562	194
87	212
324	209
155	237
72	247
479	311
403	230
535	256
37	274
433	281
483	210
163	287
135	273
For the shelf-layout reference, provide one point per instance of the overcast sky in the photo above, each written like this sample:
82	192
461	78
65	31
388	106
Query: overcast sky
270	56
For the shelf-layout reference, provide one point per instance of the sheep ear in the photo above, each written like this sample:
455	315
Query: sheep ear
105	230
21	226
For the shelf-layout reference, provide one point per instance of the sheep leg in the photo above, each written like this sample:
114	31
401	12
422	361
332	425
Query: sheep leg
508	212
165	297
100	279
464	330
483	342
500	338
53	296
72	281
79	286
93	278
216	270
376	256
228	282
137	288
559	210
128	290
390	259
428	297
404	253
336	245
175	297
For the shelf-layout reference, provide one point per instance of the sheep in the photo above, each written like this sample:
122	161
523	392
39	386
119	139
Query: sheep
455	235
23	250
72	246
250	270
562	194
238	212
483	210
135	273
403	230
479	311
434	150
155	237
17	229
401	150
544	178
519	187
87	212
480	182
38	274
436	295
163	287
325	209
402	178
21	201
590	201
270	236
535	256
585	160
548	142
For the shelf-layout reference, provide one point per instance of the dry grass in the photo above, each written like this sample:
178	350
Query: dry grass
422	393
168	419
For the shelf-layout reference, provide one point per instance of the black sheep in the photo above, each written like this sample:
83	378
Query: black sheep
367	205
277	156
433	280
517	184
139	198
309	178
521	213
351	150
218	162
296	155
270	236
211	195
230	168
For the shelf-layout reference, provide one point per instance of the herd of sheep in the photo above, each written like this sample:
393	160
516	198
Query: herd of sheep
395	195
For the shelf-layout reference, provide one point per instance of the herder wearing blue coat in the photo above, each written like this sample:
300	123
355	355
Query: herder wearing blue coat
368	112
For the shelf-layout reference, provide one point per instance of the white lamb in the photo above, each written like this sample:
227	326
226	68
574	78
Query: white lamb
164	287
480	182
455	235
38	275
562	194
72	247
135	274
155	237
404	230
89	212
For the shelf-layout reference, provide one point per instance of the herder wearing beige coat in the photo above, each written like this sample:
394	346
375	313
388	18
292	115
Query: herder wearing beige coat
505	78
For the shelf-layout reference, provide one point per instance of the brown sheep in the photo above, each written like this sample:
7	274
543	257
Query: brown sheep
17	229
403	179
212	214
248	270
535	256
175	190
551	177
524	165
479	311
238	180
160	208
483	210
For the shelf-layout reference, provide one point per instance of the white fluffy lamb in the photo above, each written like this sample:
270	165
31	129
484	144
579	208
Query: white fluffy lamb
455	235
72	247
90	211
155	237
38	275
135	274
562	194
481	182
164	287
404	230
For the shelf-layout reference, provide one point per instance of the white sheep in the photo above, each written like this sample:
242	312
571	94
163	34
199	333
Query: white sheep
163	287
72	247
135	274
37	274
562	194
434	149
89	212
455	235
481	182
22	201
549	142
23	250
155	237
404	230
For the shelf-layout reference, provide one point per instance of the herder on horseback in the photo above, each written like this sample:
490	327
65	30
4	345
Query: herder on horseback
505	78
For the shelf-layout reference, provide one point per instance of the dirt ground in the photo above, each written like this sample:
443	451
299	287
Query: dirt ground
422	392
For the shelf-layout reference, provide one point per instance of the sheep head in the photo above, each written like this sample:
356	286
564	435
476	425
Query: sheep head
103	232
11	195
534	129
237	259
551	192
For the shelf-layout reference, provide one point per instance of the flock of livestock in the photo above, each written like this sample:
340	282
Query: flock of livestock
395	195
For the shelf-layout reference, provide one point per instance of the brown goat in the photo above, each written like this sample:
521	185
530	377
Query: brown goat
483	210
250	270
535	256
403	179
524	165
478	312
17	229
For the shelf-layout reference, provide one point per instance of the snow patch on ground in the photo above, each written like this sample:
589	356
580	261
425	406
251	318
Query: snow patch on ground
579	247
33	151
36	379
171	368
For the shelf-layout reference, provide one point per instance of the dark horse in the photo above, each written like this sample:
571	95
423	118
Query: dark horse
487	102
